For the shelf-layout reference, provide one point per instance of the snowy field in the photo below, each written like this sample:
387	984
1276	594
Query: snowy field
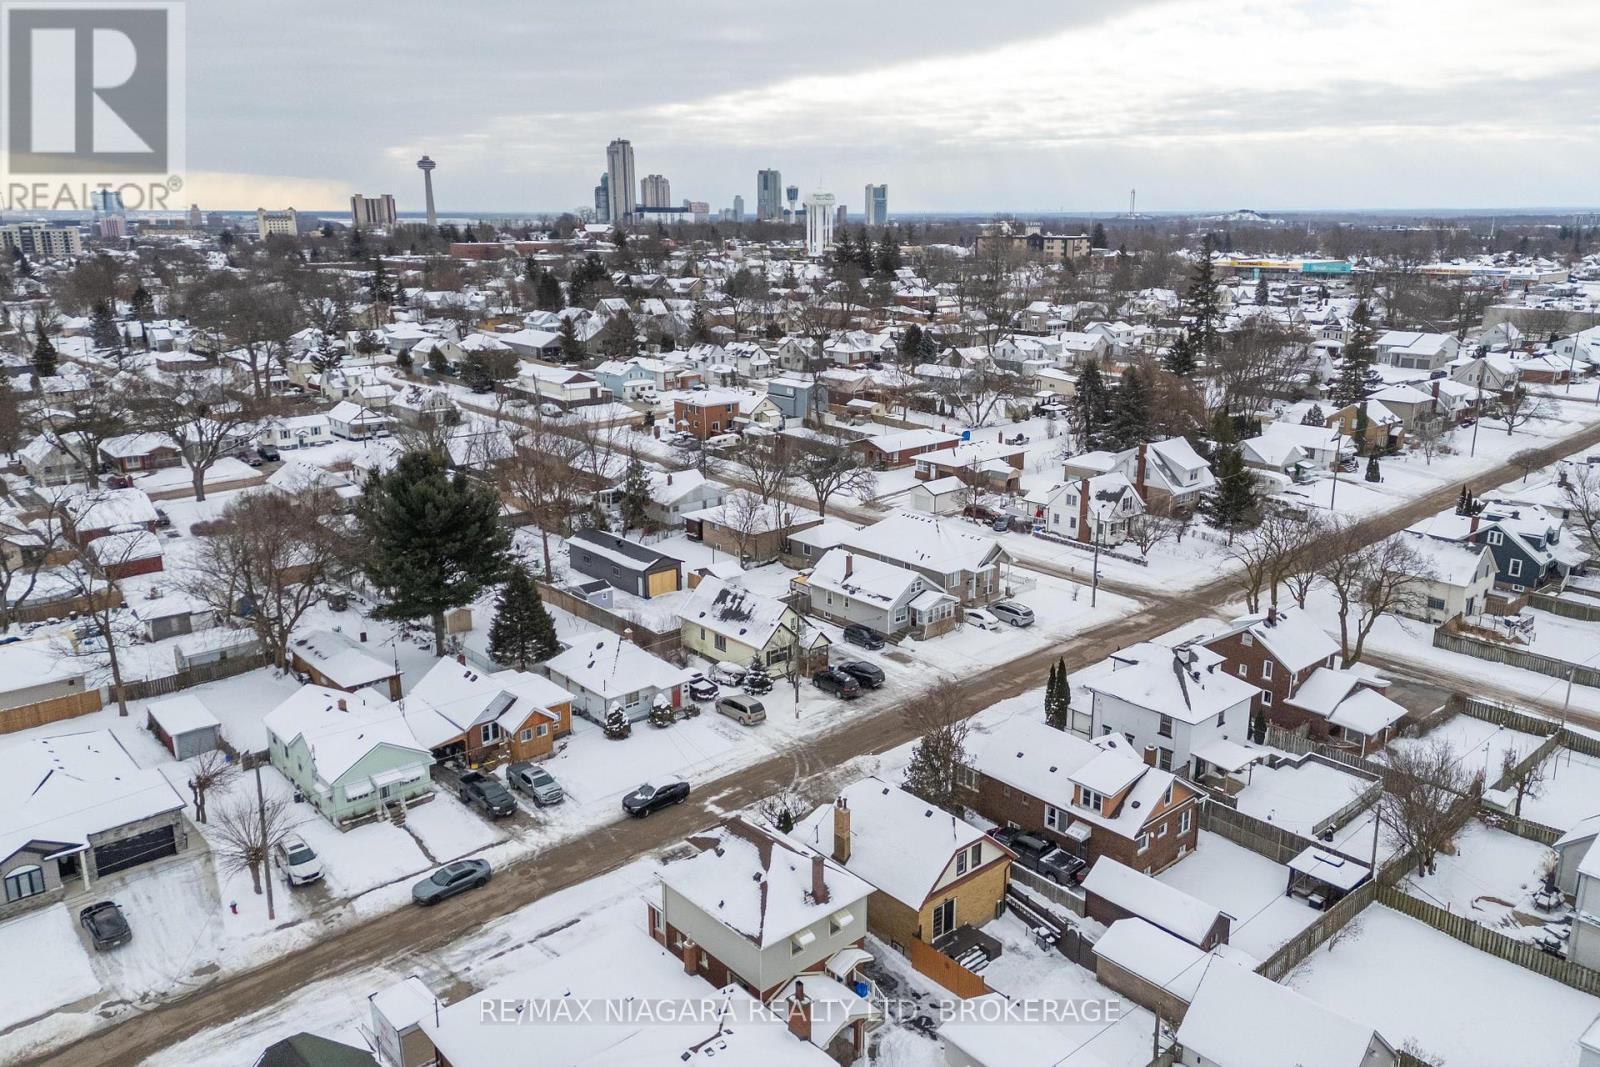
1569	793
1247	886
1489	875
1411	982
57	970
1478	745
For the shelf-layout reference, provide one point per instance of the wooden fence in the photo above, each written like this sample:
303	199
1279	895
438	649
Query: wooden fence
1515	657
1041	886
199	674
43	712
663	643
1471	932
1567	609
932	963
1513	824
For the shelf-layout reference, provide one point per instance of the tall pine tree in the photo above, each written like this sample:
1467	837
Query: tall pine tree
1202	304
1179	359
1356	379
522	633
635	496
1130	412
1091	407
433	539
573	350
44	354
1231	505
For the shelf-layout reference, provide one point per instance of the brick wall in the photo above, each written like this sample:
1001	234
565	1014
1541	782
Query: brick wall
1282	685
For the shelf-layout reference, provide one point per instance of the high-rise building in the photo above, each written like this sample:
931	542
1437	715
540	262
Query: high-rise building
197	221
426	165
841	217
619	168
40	241
698	209
819	223
738	209
271	222
792	193
877	205
655	191
368	212
769	195
602	198
110	217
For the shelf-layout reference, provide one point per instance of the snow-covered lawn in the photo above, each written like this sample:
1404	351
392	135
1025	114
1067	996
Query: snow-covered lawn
1297	797
1410	981
448	829
1248	887
1478	745
50	964
1569	793
1490	876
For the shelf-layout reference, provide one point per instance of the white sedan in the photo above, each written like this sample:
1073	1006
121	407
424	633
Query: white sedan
981	619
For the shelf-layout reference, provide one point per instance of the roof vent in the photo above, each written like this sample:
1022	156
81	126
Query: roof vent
1135	803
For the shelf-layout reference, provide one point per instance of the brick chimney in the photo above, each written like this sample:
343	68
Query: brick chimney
1149	755
1138	471
1083	511
849	564
841	831
690	953
798	1014
363	637
461	658
1272	615
819	880
669	473
1472	529
342	705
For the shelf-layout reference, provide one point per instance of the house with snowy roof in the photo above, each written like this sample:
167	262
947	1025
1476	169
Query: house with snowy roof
329	658
1114	891
624	564
460	709
955	559
1093	510
931	872
728	623
761	909
1091	798
1182	701
606	672
1529	543
846	588
1456	579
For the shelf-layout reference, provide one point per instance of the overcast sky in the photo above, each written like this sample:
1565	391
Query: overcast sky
976	105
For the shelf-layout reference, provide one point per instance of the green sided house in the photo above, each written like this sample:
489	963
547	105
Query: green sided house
350	754
726	623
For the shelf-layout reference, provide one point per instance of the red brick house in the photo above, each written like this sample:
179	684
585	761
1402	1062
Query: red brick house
134	452
705	414
901	449
97	512
1092	798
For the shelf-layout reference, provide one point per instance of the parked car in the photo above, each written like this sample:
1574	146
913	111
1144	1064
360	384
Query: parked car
722	441
535	782
253	459
269	453
452	878
729	674
652	798
857	634
1000	524
163	520
299	864
484	791
1012	612
1042	856
747	711
837	683
870	675
703	689
551	411
106	924
980	618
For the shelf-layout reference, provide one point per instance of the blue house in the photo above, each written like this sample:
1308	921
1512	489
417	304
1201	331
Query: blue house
797	397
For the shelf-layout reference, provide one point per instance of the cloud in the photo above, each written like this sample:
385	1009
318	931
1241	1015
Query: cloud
223	190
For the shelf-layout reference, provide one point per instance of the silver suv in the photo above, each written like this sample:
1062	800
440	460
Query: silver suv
1012	612
536	782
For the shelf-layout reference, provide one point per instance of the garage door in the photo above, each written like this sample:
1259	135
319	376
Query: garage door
131	851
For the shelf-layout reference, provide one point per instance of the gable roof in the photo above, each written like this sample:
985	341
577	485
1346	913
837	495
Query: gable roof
916	540
1158	903
1240	1019
748	618
1185	682
616	549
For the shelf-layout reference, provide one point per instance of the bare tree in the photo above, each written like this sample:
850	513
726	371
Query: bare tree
748	517
246	834
80	421
268	560
829	465
1431	437
939	716
1259	360
204	420
1300	572
1149	529
1518	407
104	628
1369	581
1527	461
543	478
1581	490
26	547
1525	782
769	464
1422	785
980	390
208	771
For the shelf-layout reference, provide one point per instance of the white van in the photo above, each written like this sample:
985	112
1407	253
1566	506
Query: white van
728	674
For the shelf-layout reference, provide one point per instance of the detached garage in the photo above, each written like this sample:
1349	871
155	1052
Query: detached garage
184	726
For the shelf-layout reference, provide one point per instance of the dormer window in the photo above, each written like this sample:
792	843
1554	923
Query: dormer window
1092	800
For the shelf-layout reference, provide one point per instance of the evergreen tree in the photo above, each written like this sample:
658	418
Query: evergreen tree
1263	294
437	362
756	679
1314	416
616	727
844	250
930	348
144	306
1231	505
1203	305
1355	379
1373	474
699	329
547	294
379	290
325	357
1130	412
1058	697
1179	359
1258	725
433	540
573	350
103	327
888	253
522	633
661	714
619	339
911	344
1097	236
1091	407
44	354
635	496
403	360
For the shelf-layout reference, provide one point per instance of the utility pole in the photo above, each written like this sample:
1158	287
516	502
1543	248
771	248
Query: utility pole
266	846
1094	589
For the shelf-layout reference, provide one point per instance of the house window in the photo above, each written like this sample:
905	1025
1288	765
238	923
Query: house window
1162	832
1165	729
961	862
1185	820
527	735
1248	640
1515	568
490	732
1055	818
1435	604
1495	537
1164	758
1244	670
1266	696
1222	718
543	729
977	855
24	882
1144	842
720	643
1266	669
966	777
1092	800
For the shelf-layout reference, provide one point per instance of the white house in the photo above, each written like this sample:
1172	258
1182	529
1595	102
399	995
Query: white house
1090	510
845	587
1416	351
1459	579
603	672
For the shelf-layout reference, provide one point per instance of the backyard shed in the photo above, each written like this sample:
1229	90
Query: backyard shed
184	726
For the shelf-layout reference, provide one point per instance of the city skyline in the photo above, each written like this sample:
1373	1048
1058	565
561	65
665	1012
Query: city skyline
1364	127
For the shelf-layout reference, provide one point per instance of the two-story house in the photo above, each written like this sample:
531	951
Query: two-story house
845	588
1092	798
1169	475
705	414
624	564
1457	579
458	709
1525	539
1092	510
931	872
731	624
1182	700
956	560
1411	350
760	909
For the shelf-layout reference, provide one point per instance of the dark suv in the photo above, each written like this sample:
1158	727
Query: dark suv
870	675
857	634
836	682
1042	856
106	925
485	791
652	798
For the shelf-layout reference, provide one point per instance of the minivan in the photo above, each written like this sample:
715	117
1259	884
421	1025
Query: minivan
1012	612
728	674
746	711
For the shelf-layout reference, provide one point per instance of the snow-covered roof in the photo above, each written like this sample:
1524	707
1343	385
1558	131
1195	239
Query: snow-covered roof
924	541
338	737
758	883
454	697
1241	1019
61	789
1163	905
104	509
899	843
1165	961
181	714
610	667
1293	640
1187	682
907	439
855	577
340	660
738	614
